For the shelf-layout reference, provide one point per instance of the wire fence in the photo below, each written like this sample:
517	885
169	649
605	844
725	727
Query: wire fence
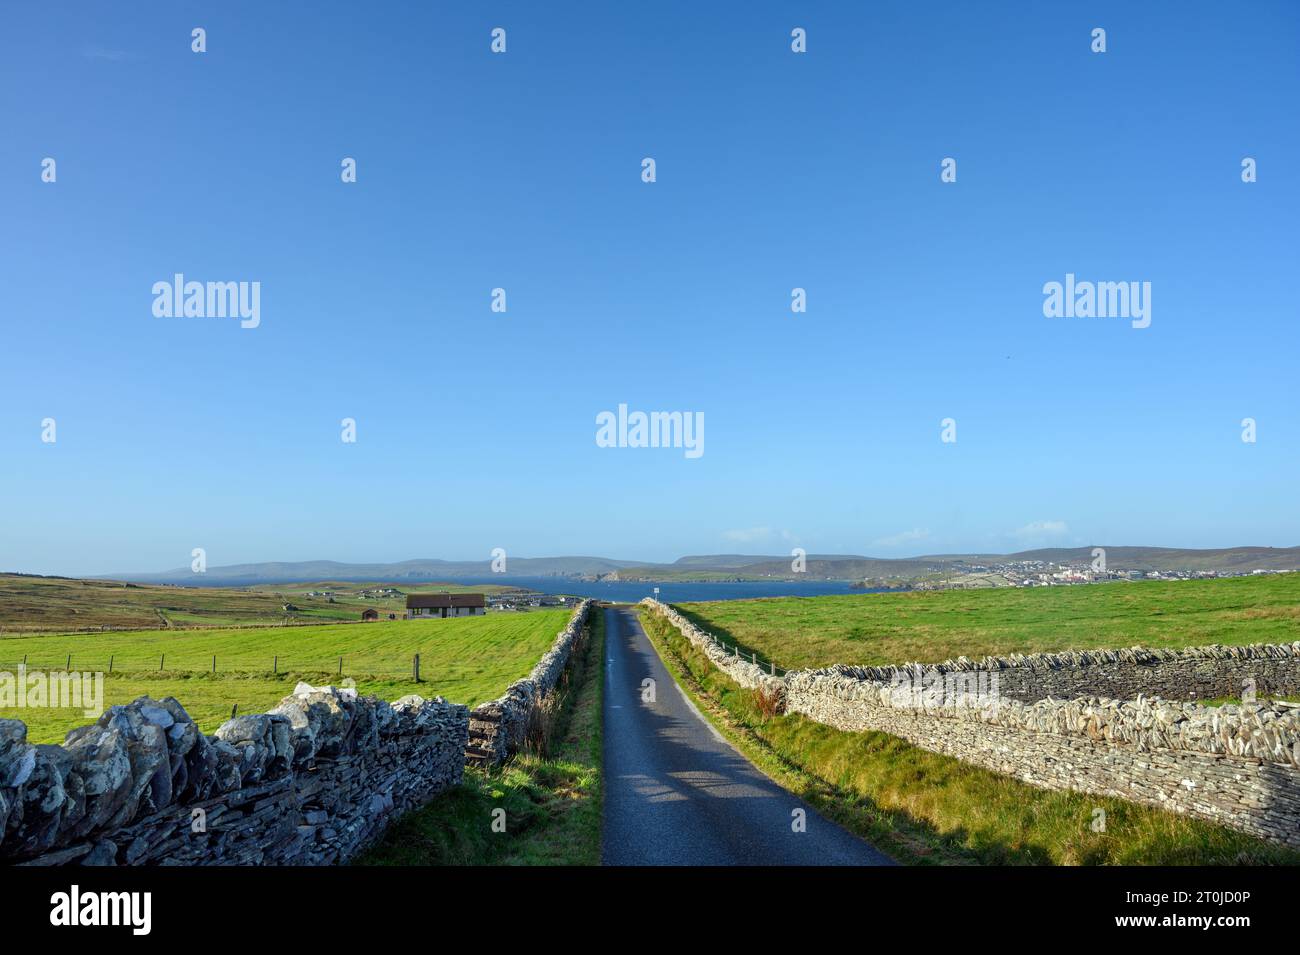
244	664
751	656
738	651
21	630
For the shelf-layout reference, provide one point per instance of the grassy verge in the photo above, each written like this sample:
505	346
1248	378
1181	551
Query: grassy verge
924	808
551	797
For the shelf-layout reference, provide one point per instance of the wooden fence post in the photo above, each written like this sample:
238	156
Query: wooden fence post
415	665
275	665
214	663
340	666
110	663
68	666
161	659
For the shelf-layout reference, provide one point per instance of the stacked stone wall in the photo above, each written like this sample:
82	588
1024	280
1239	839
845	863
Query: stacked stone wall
497	728
311	782
1039	719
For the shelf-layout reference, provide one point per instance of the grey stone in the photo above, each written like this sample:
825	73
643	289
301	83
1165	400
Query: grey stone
104	853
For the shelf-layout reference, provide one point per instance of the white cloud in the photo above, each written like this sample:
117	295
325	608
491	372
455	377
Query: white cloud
1042	530
905	537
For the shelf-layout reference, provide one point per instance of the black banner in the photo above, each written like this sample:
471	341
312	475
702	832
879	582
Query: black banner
365	904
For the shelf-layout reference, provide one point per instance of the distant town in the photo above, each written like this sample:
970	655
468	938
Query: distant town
1041	573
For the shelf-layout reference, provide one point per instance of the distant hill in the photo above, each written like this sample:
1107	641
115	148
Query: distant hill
850	568
734	566
423	569
717	561
738	561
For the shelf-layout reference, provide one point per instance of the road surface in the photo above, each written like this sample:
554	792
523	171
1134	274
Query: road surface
676	793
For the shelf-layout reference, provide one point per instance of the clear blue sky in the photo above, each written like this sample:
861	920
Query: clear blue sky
477	430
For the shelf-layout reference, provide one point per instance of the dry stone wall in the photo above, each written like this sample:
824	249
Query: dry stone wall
1237	765
497	727
309	783
1194	673
748	674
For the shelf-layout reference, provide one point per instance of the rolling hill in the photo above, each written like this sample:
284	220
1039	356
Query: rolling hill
732	566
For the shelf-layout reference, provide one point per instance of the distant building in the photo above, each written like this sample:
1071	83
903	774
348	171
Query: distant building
369	614
445	605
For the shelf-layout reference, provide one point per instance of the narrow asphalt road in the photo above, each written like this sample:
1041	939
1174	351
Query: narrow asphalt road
676	793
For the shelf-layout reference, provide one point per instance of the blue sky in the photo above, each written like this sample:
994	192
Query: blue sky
523	171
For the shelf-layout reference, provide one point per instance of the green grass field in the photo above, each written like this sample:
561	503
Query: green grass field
467	661
924	808
927	627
